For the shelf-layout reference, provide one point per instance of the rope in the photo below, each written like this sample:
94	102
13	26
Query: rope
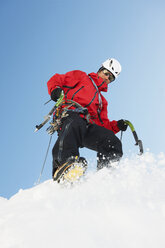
39	179
121	136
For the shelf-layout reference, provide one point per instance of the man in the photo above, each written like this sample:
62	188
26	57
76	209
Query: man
96	133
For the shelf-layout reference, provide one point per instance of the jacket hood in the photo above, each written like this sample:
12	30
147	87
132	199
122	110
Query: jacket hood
101	84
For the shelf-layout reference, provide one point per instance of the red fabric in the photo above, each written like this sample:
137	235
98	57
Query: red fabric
78	87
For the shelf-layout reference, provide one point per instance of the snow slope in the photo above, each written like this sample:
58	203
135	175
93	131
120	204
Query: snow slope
120	208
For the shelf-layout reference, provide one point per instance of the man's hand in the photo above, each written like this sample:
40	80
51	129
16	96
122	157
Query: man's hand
122	125
55	94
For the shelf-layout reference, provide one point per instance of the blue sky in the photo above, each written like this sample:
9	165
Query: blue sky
42	37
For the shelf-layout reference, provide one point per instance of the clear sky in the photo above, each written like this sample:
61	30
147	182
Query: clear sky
42	37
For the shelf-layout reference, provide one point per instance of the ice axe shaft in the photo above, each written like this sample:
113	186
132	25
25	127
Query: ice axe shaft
138	142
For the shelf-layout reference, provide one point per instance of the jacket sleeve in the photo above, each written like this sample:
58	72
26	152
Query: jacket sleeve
68	80
111	125
54	82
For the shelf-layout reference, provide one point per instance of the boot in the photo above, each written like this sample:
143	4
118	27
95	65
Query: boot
71	170
104	161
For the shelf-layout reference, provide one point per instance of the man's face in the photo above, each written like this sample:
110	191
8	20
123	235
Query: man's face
106	75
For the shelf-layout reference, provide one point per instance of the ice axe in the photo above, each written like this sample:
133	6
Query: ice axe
138	142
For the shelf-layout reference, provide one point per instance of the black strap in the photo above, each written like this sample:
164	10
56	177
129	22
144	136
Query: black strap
99	96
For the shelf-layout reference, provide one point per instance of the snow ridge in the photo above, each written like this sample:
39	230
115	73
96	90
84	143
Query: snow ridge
124	207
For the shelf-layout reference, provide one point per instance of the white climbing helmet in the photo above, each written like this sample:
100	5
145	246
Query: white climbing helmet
113	66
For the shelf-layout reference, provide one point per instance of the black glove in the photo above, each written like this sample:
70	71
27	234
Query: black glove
55	94
122	125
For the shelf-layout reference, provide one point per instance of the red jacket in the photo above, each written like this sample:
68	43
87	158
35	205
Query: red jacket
78	87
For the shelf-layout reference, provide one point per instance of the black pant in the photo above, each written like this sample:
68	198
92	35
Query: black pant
76	132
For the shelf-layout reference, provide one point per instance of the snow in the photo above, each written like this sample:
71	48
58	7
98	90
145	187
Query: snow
124	207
